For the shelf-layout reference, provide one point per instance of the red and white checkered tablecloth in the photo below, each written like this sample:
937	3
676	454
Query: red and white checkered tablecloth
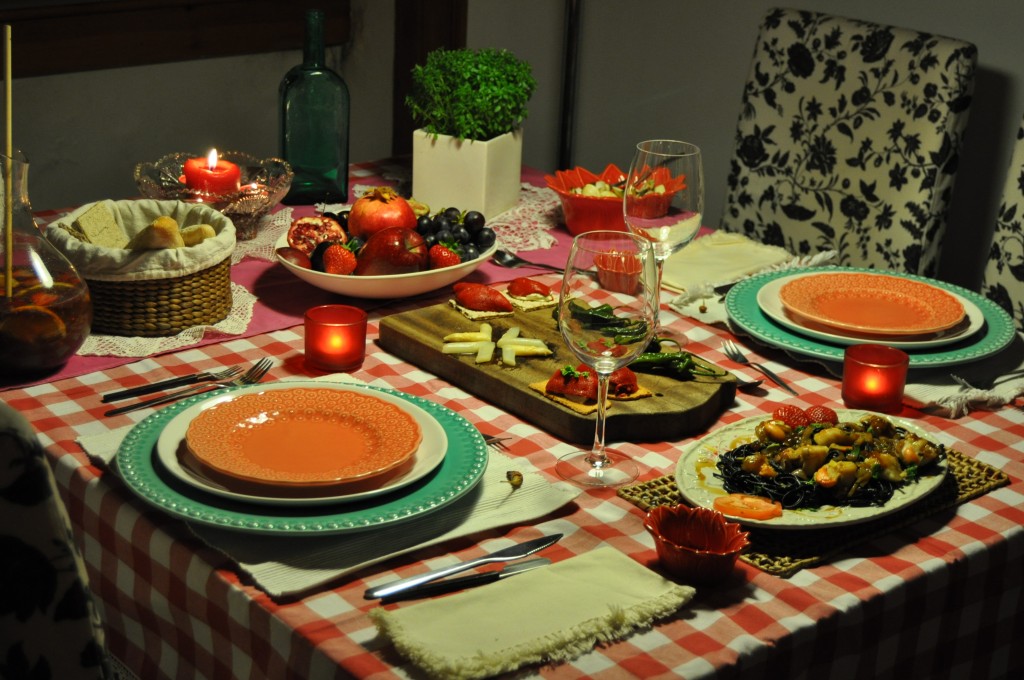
942	598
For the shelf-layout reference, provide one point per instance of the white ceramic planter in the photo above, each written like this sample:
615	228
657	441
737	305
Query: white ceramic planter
466	174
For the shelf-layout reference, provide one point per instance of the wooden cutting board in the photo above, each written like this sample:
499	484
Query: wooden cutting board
678	408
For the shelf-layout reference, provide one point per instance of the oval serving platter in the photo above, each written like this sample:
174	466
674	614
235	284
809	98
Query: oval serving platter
698	485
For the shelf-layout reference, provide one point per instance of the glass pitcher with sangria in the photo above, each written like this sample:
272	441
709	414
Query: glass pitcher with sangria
45	308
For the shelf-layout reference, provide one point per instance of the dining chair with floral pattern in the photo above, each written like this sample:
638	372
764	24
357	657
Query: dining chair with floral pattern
1003	279
849	139
49	627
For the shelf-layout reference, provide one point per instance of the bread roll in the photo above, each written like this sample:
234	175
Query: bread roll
197	233
162	233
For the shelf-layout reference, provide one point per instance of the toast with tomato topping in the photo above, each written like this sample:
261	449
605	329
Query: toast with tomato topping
576	388
528	294
477	301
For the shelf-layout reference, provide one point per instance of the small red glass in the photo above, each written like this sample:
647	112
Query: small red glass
874	377
335	337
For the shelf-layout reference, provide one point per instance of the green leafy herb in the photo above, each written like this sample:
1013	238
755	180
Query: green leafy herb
470	94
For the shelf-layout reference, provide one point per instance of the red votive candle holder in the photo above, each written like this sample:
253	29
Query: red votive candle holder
212	175
874	377
335	337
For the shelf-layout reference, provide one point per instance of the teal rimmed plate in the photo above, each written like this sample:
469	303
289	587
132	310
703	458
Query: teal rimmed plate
744	311
459	473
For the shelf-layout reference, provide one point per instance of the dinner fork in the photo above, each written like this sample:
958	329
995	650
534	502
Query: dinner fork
250	377
180	381
736	354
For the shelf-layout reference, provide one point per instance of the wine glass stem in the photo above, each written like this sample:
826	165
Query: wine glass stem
597	457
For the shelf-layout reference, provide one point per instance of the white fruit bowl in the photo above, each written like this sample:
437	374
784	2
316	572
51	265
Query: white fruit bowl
384	287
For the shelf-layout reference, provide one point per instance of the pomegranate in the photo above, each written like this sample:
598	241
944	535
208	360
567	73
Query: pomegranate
377	209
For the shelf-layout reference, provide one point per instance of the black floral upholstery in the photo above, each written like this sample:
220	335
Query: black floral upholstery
849	140
49	628
1004	274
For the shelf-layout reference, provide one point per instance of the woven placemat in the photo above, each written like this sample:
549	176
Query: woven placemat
783	553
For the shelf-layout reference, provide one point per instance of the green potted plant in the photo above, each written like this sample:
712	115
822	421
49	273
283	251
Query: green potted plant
469	106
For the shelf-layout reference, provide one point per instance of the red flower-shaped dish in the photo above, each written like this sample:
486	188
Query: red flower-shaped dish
696	545
589	213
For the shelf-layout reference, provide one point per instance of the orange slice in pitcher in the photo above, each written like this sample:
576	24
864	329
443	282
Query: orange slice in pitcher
33	323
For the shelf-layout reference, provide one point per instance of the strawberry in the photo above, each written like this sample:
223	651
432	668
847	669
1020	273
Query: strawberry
339	260
481	298
524	287
822	414
443	255
573	382
793	416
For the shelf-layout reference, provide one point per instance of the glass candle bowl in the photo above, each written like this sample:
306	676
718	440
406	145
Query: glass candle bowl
262	185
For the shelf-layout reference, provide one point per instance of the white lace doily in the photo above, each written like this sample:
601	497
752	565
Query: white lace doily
236	323
528	225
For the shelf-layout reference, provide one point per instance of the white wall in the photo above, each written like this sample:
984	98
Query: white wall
647	68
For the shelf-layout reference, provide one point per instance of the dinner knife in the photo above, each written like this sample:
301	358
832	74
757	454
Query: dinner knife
514	552
159	386
461	583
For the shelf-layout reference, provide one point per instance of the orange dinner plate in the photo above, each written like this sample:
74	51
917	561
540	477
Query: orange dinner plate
878	304
303	439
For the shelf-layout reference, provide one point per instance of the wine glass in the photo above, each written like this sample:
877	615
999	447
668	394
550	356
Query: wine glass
663	201
607	312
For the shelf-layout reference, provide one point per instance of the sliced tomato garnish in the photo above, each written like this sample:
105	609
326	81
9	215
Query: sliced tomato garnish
747	506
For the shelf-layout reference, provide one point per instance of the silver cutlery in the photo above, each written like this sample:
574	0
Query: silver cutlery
180	381
503	258
491	440
736	354
453	584
507	554
250	377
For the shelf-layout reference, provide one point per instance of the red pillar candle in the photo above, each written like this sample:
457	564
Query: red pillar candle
335	337
874	377
212	175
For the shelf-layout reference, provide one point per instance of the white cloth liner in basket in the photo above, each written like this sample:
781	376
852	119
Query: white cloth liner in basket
114	264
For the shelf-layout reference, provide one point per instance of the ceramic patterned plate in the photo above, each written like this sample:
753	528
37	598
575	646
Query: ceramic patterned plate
458	474
746	314
698	485
870	303
428	456
302	440
771	305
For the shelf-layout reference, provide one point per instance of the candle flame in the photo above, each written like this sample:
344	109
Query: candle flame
211	159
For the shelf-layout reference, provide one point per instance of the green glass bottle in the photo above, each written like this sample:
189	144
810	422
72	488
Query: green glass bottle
314	123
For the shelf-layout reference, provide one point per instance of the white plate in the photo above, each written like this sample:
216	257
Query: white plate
769	302
430	454
698	485
384	287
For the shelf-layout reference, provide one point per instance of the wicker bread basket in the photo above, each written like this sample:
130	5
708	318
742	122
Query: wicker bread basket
156	292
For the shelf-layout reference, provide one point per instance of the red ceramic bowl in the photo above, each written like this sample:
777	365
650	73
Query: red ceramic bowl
695	545
588	213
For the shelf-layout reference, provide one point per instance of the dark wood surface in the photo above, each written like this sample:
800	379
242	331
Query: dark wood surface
85	36
677	410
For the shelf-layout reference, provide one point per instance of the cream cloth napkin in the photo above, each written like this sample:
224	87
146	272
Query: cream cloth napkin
720	257
955	391
283	565
544	615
